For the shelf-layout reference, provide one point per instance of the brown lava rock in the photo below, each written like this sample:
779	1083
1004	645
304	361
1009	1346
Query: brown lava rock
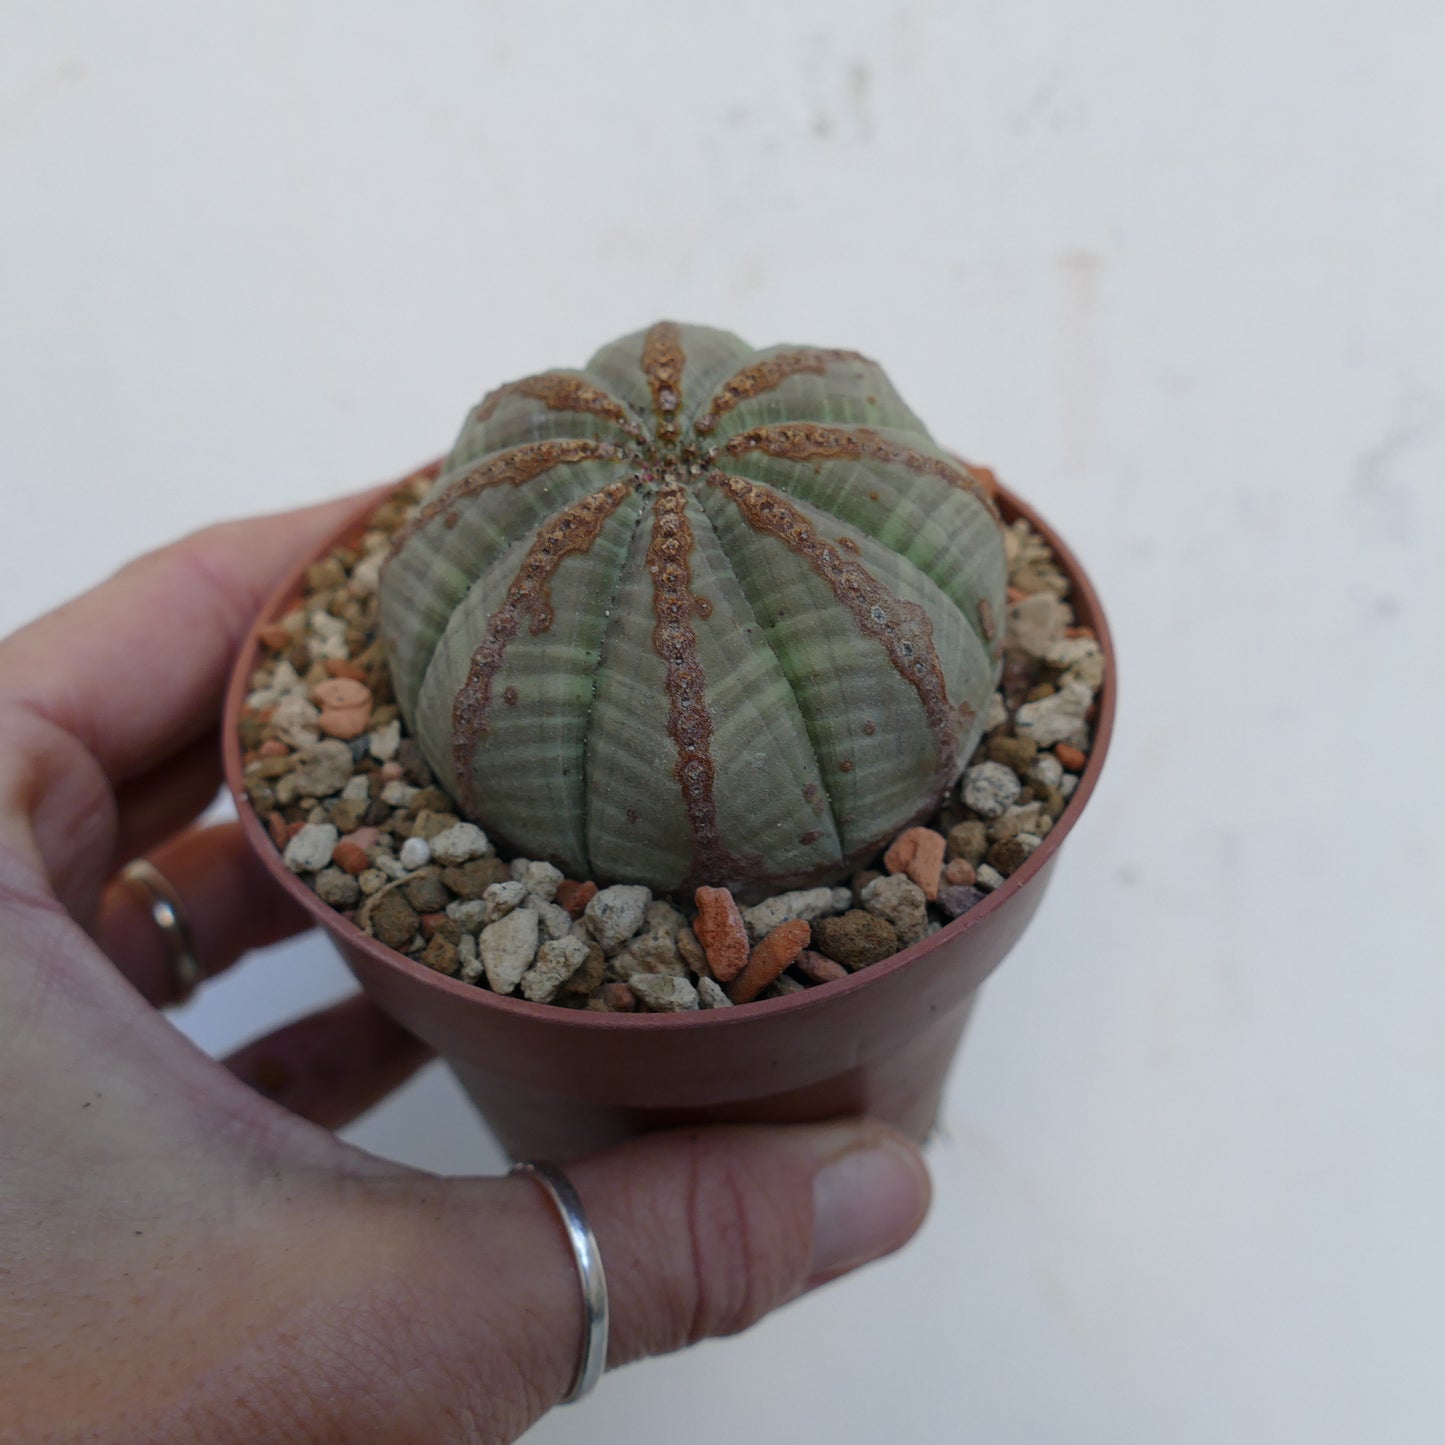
471	880
855	939
968	840
426	892
393	920
1012	752
441	954
1007	855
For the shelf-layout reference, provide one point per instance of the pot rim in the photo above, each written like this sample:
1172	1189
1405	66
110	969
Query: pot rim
1085	600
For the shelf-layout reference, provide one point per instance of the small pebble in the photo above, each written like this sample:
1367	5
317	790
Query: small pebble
664	915
652	952
805	903
587	979
469	961
1015	753
768	959
1053	719
470	914
956	901
918	852
989	788
347	855
442	954
341	692
575	896
989	877
393	920
557	960
459	844
615	914
539	879
968	840
556	922
507	948
856	939
722	933
370	881
1070	758
691	953
389	863
817	967
384	741
415	853
501	898
295	722
1045	773
710	994
958	872
1067	784
900	900
1037	623
426	892
663	994
310	850
397	793
617	998
338	888
471	880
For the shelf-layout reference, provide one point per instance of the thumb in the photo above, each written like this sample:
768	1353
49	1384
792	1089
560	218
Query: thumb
701	1234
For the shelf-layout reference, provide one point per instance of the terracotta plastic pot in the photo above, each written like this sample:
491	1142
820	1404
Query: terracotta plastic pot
558	1083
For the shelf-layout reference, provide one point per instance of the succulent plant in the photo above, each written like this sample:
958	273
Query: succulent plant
697	614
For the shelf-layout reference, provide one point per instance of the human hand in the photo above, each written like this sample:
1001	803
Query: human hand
184	1258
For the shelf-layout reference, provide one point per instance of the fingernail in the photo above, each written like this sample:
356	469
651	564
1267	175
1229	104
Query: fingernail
866	1203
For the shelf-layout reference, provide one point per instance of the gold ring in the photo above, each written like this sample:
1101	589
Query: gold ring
165	908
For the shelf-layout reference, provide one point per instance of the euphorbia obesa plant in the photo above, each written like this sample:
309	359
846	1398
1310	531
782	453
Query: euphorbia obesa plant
698	614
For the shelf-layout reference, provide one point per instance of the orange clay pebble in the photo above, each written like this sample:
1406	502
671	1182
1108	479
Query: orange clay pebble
1072	759
918	852
344	667
273	748
275	637
722	933
619	998
782	945
350	857
575	896
958	873
276	827
345	707
819	969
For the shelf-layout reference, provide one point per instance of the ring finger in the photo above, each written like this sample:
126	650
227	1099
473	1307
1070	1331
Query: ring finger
229	902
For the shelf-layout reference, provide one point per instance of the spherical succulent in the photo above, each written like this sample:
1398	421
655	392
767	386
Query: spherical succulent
697	614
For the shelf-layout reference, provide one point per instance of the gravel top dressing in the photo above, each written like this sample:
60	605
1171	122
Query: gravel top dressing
356	813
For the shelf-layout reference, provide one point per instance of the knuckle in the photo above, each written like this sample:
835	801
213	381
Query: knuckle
737	1250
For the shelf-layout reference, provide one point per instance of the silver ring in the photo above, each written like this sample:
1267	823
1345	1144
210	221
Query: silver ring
589	1269
165	908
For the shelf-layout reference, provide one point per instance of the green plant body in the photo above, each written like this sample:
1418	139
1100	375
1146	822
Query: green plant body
698	614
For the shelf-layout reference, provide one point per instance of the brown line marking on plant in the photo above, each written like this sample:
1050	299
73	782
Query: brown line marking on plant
766	374
662	361
689	724
516	467
558	392
806	441
571	532
902	628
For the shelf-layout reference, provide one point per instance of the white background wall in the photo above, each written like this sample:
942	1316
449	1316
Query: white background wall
1176	271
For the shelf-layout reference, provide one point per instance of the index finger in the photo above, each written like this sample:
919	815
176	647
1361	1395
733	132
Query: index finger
136	668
